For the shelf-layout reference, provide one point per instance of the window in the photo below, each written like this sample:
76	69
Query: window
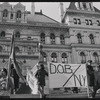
78	21
87	22
11	16
16	49
18	14
64	58
90	22
53	57
79	37
92	39
96	58
75	21
62	39
44	57
17	35
5	13
2	34
42	37
52	37
98	22
83	57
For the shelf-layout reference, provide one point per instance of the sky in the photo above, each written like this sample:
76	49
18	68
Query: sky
50	9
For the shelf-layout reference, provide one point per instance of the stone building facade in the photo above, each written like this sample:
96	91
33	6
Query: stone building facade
30	28
83	20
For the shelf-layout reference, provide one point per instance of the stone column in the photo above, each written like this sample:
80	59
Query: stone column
74	55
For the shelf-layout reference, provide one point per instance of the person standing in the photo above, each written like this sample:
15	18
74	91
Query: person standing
96	80
15	77
40	75
5	84
90	76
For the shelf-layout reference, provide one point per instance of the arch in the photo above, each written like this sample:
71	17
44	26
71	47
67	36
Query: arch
17	34
96	57
17	49
52	37
44	56
64	58
53	57
79	37
62	39
83	57
2	34
91	38
5	13
42	38
18	14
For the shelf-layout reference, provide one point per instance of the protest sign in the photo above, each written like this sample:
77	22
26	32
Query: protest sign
67	75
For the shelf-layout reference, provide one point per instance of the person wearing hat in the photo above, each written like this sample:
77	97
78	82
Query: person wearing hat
5	84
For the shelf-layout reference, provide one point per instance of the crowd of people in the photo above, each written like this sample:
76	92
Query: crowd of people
11	85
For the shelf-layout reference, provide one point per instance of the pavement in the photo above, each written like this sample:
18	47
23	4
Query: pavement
25	92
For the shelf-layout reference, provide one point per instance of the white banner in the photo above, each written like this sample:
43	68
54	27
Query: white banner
67	75
32	81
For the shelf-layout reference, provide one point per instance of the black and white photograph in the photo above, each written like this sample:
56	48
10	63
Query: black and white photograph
49	50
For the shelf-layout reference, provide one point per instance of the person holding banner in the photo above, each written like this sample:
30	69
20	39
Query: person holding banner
90	76
40	75
96	80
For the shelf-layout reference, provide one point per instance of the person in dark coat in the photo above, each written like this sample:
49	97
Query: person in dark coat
90	73
40	75
96	80
90	76
15	77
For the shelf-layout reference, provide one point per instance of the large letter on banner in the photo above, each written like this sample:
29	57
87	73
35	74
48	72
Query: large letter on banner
67	75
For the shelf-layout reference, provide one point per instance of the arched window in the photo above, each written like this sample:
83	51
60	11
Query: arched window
53	57
52	37
17	49
0	49
96	58
5	13
79	37
18	14
42	37
17	35
2	34
83	57
44	57
64	58
92	39
62	39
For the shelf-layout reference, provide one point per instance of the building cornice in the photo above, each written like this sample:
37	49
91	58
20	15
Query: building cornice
37	24
86	45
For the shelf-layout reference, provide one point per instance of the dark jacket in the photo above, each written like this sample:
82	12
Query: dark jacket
90	73
97	77
40	75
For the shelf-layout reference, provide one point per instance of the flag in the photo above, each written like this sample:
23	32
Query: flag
12	58
31	79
